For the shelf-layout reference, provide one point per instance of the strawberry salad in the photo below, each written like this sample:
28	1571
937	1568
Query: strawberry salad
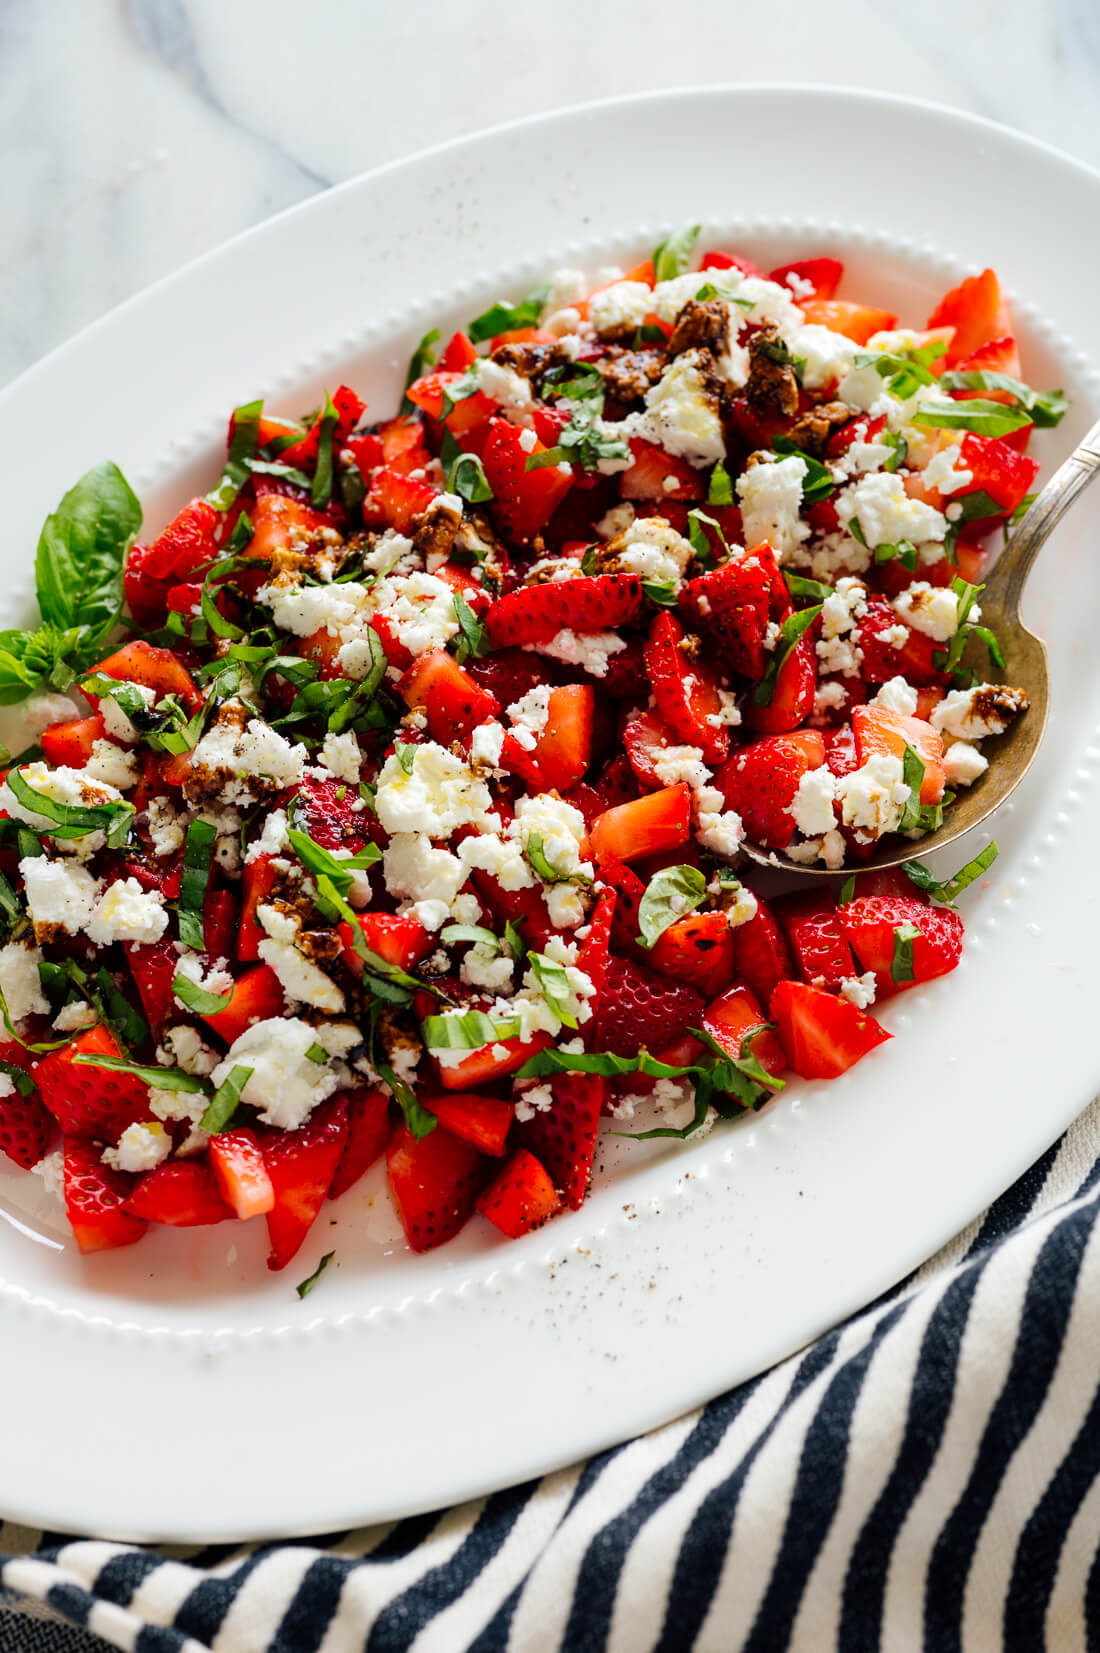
389	803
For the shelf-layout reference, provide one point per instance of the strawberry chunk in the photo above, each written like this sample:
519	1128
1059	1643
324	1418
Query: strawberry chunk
640	1010
699	950
655	474
237	1162
257	996
871	923
435	1183
520	1197
89	1101
591	602
154	668
882	732
70	743
736	1016
398	938
453	702
190	539
494	1061
302	1165
524	500
95	1201
763	956
977	312
369	1133
685	690
259	879
563	1137
563	749
997	468
661	820
813	927
483	1121
733	605
595	949
326	810
645	737
182	1193
760	782
856	321
396	500
822	1034
792	698
822	275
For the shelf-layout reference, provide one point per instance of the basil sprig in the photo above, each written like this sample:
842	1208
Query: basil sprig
948	889
670	895
503	317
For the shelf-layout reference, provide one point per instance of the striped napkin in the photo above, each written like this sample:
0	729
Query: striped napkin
921	1479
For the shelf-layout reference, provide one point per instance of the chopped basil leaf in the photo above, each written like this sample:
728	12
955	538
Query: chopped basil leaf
22	1080
818	482
971	508
799	586
317	1053
223	1103
467	478
10	910
672	256
73	820
912	773
321	490
948	889
420	1122
476	933
581	442
165	1079
670	895
984	418
419	362
116	1010
905	552
385	981
665	593
550	874
244	445
576	382
554	982
339	870
304	1287
1022	509
855	528
894	439
288	473
460	389
514	940
700	544
405	752
901	965
472	1030
1046	407
475	636
790	632
847	891
503	317
719	488
198	850
196	998
904	372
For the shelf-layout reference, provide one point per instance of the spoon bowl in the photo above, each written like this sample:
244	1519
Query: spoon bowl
1025	667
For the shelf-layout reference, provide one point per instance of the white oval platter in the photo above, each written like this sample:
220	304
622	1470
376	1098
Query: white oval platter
223	1406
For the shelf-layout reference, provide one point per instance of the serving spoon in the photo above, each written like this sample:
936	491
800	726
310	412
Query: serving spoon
1025	668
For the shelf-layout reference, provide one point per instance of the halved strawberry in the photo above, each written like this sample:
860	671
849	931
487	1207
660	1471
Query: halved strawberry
181	1193
996	356
277	521
822	1033
453	703
813	927
563	1137
89	1101
763	956
153	967
524	500
736	1016
71	742
520	1197
237	1162
697	949
792	698
997	469
154	668
256	996
434	1183
733	605
190	539
977	312
685	690
483	1121
403	445
655	474
660	820
840	750
822	274
563	748
26	1127
882	732
301	1165
760	782
95	1201
871	922
591	602
640	1010
369	1132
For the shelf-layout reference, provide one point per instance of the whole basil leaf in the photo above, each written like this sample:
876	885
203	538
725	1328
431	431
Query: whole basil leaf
81	550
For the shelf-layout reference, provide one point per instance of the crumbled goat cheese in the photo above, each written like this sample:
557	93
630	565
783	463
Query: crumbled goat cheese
19	980
421	610
436	795
886	513
113	765
931	609
51	1169
829	697
653	549
532	1100
680	413
62	786
486	744
273	839
616	521
342	757
830	848
247	763
872	798
963	764
560	827
486	968
812	806
897	696
126	912
986	709
859	990
59	895
300	979
566	905
624	304
40	710
502	858
590	650
392	553
942	473
183	1047
532	710
717	828
167	826
674	764
285	1084
414	868
567	287
74	1017
140	1148
828	356
771	499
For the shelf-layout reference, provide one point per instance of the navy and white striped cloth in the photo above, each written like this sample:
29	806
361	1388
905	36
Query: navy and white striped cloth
922	1479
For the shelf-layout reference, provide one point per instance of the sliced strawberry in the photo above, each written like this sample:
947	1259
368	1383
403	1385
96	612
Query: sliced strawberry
327	811
655	474
871	922
822	1033
760	782
258	880
154	668
396	500
153	967
182	1193
397	938
483	1121
595	949
563	1137
146	598
70	743
563	749
733	605
856	321
997	356
660	820
89	1101
763	956
642	1010
699	950
629	890
736	1016
458	354
821	952
792	698
95	1201
190	539
453	702
645	737
520	1197
977	312
997	469
492	1062
237	1162
349	408
278	521
729	261
524	500
434	1183
403	445
369	1132
26	1127
882	659
685	690
257	996
220	923
302	1165
822	274
536	613
881	732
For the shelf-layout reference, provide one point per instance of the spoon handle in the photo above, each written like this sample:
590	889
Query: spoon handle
1046	510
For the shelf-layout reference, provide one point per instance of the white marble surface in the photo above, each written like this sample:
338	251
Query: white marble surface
135	134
